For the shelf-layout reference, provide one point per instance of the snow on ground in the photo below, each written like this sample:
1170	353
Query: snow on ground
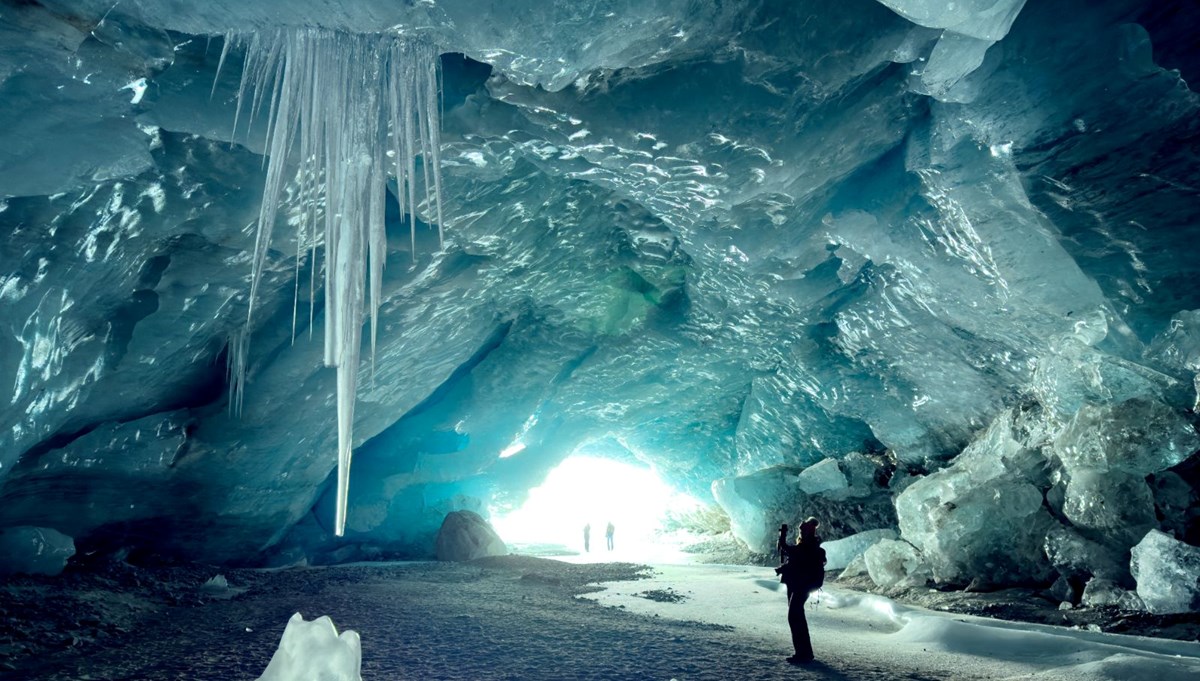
849	625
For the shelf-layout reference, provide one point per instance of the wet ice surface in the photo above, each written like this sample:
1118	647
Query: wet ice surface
520	617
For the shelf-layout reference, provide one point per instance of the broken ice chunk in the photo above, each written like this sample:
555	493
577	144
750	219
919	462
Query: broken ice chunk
841	552
34	550
1075	556
896	563
314	650
1167	573
981	517
218	587
1101	592
857	566
1137	436
825	476
757	504
1114	507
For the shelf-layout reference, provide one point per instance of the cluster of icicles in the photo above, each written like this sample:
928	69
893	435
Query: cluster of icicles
339	105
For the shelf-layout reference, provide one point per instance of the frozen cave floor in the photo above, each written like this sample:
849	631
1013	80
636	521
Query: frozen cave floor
1013	604
527	617
1032	605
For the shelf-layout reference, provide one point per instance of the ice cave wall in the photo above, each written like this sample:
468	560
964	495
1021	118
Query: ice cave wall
950	251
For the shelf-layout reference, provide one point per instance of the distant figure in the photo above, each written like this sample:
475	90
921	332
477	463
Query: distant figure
587	537
608	535
803	572
781	545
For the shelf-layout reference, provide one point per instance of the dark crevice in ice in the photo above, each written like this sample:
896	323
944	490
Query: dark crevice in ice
1173	36
207	388
461	78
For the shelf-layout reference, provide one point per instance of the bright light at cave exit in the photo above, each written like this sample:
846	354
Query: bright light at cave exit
587	490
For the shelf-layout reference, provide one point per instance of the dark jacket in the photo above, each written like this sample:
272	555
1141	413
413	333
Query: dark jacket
804	569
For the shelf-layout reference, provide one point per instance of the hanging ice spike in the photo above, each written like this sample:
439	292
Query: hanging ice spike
334	100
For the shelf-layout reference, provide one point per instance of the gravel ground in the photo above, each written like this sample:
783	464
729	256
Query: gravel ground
513	617
501	618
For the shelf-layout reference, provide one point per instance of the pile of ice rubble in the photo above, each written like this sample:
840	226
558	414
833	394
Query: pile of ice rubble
1087	506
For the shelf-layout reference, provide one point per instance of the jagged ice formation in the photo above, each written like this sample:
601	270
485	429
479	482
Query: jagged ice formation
923	270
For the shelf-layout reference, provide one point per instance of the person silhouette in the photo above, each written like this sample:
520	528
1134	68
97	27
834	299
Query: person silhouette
781	545
608	535
587	537
803	572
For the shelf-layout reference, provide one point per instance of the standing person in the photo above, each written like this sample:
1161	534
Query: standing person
608	534
587	537
803	572
781	545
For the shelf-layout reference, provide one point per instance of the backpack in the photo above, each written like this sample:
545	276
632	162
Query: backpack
815	577
804	569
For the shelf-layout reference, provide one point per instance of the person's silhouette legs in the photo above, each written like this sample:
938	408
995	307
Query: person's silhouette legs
798	623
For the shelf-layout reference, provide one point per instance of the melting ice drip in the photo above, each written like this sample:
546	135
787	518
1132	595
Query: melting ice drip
341	103
235	368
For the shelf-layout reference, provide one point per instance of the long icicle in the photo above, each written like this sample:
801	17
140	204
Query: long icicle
335	96
434	125
225	45
235	368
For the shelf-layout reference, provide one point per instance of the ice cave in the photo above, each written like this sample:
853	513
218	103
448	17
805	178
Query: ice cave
305	306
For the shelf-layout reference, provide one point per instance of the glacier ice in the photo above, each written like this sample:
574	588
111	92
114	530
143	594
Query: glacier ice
757	505
840	553
218	588
983	516
1113	505
856	567
82	131
1100	592
968	30
1178	346
1073	555
990	515
1077	375
732	240
344	102
315	650
1136	436
34	550
984	19
1167	573
896	563
953	57
825	476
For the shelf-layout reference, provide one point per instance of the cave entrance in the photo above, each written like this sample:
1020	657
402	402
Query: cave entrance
586	490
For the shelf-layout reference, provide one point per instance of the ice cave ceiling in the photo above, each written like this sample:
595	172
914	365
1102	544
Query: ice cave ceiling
726	239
